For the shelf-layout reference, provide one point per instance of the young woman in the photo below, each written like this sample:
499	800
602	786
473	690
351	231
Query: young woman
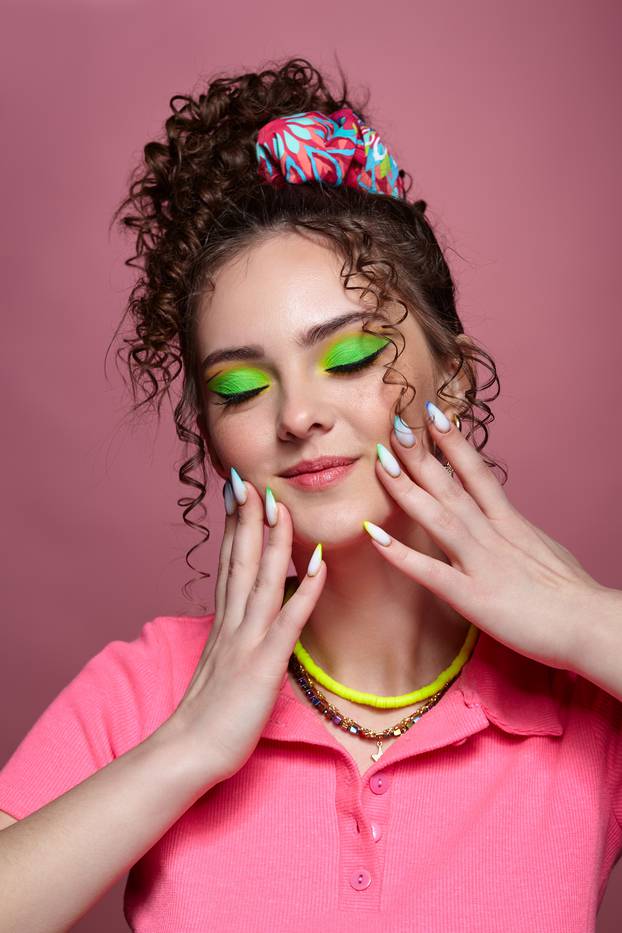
419	729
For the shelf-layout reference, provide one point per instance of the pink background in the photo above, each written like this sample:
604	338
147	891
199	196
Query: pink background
508	118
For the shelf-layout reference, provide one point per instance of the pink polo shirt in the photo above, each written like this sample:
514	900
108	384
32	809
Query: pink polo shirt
500	809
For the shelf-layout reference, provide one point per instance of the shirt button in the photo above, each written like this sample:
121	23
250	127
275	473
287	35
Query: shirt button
376	832
379	783
360	879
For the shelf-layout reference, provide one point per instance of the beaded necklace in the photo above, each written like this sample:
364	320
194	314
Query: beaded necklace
301	666
388	702
319	701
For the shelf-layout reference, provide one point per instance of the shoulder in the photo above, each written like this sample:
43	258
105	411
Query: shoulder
135	683
161	642
173	645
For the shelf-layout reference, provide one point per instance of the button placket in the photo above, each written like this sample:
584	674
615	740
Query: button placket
361	858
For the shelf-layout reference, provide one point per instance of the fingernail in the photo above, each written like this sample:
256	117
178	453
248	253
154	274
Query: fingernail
272	512
437	416
229	498
316	560
239	489
377	533
403	433
388	460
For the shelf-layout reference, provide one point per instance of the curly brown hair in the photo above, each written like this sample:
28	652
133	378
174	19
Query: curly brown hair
196	201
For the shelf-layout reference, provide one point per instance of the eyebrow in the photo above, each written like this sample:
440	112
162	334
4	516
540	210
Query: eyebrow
304	339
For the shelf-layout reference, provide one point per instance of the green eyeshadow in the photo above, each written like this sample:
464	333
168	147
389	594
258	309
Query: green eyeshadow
353	348
343	352
238	380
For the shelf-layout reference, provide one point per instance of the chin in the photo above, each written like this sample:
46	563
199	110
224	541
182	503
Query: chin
337	529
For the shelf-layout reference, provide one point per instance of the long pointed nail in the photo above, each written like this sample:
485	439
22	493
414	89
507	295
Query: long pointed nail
239	489
377	533
388	460
440	420
229	498
316	560
404	434
272	512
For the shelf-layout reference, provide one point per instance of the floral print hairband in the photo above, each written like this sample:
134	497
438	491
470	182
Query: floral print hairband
335	149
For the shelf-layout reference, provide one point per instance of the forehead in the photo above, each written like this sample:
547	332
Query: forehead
284	282
279	287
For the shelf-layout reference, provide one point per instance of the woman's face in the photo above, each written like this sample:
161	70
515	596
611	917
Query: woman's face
297	408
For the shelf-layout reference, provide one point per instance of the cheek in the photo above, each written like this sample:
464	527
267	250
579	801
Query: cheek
379	399
239	441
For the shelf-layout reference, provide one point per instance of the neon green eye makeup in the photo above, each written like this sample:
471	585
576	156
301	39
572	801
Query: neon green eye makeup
347	355
237	381
354	349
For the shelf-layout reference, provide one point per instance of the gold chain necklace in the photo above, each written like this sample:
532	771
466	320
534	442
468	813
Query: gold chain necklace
324	707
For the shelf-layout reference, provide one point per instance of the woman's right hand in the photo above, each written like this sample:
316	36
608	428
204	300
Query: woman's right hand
237	680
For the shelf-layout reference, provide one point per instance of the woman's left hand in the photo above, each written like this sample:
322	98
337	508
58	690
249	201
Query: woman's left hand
505	575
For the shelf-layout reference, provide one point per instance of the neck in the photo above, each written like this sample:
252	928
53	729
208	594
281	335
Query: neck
373	628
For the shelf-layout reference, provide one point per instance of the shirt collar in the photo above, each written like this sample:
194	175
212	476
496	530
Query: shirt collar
517	694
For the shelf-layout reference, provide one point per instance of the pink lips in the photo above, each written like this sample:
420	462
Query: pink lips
320	478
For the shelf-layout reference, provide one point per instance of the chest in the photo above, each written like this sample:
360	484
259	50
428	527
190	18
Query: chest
292	841
360	749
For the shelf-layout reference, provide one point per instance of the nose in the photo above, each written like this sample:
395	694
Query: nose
301	412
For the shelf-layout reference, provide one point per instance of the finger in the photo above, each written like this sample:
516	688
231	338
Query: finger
483	487
221	581
427	473
495	508
442	524
282	635
245	555
231	520
445	581
475	475
266	596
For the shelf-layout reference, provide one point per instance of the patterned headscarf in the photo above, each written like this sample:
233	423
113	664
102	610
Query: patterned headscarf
336	149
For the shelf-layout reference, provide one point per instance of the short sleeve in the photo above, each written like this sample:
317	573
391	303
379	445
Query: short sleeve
110	706
613	716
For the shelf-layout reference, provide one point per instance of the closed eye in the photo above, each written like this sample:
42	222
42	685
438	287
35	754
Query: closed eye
358	364
344	369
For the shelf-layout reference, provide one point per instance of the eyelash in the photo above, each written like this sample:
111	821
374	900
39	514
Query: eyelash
344	370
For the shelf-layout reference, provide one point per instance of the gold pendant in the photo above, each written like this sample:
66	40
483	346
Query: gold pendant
376	755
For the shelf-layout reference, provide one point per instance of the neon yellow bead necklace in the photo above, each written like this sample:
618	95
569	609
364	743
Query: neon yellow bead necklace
388	702
371	699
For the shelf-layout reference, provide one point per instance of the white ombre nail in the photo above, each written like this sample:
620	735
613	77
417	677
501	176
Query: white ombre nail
377	533
388	460
437	416
272	513
316	560
229	498
404	434
239	489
